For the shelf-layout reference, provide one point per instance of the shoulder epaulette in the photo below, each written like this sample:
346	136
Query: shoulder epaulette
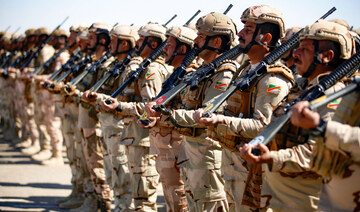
227	65
280	68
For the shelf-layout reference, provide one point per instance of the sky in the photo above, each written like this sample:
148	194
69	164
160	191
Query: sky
50	13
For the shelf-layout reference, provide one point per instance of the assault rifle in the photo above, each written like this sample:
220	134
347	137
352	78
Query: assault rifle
96	64
172	18
244	83
47	63
35	54
346	68
204	72
136	74
77	55
228	9
323	100
114	72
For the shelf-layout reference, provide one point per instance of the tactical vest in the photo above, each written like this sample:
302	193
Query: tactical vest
241	104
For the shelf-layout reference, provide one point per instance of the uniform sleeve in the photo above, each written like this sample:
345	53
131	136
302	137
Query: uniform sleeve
270	91
344	138
149	85
63	57
295	159
213	88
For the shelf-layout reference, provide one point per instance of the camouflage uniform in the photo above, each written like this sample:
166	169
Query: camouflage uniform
115	156
289	176
90	127
39	95
255	107
144	177
340	149
289	183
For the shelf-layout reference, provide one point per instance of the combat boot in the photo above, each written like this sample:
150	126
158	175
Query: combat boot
71	195
24	144
44	154
89	205
74	202
104	205
35	148
55	160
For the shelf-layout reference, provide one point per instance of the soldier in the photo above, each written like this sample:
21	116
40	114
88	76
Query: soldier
98	42
81	181
144	177
41	149
289	184
200	156
164	139
123	40
336	156
263	27
53	105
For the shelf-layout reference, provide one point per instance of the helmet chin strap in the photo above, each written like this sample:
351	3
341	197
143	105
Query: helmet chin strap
206	46
255	42
143	45
175	53
315	62
117	47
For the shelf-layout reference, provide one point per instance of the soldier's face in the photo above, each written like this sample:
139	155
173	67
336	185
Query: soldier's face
304	56
72	38
169	49
200	39
246	34
113	44
83	43
140	41
92	40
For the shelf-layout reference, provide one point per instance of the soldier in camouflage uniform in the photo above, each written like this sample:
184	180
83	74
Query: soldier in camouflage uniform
200	156
99	40
123	40
247	113
288	182
53	105
336	155
165	140
37	95
144	177
71	132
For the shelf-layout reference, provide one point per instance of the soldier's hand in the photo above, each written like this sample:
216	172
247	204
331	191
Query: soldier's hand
113	104
303	117
87	97
204	122
152	123
248	156
150	111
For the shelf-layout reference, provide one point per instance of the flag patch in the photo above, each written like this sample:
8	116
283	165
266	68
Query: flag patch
150	76
220	86
274	89
333	104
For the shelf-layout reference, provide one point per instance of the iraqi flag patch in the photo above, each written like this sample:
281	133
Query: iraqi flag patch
333	104
220	86
150	76
274	89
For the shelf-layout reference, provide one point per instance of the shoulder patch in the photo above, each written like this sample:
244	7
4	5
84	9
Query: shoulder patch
150	76
279	68
221	85
333	105
227	65
274	89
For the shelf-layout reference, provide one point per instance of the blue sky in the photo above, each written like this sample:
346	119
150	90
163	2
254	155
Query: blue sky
50	13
